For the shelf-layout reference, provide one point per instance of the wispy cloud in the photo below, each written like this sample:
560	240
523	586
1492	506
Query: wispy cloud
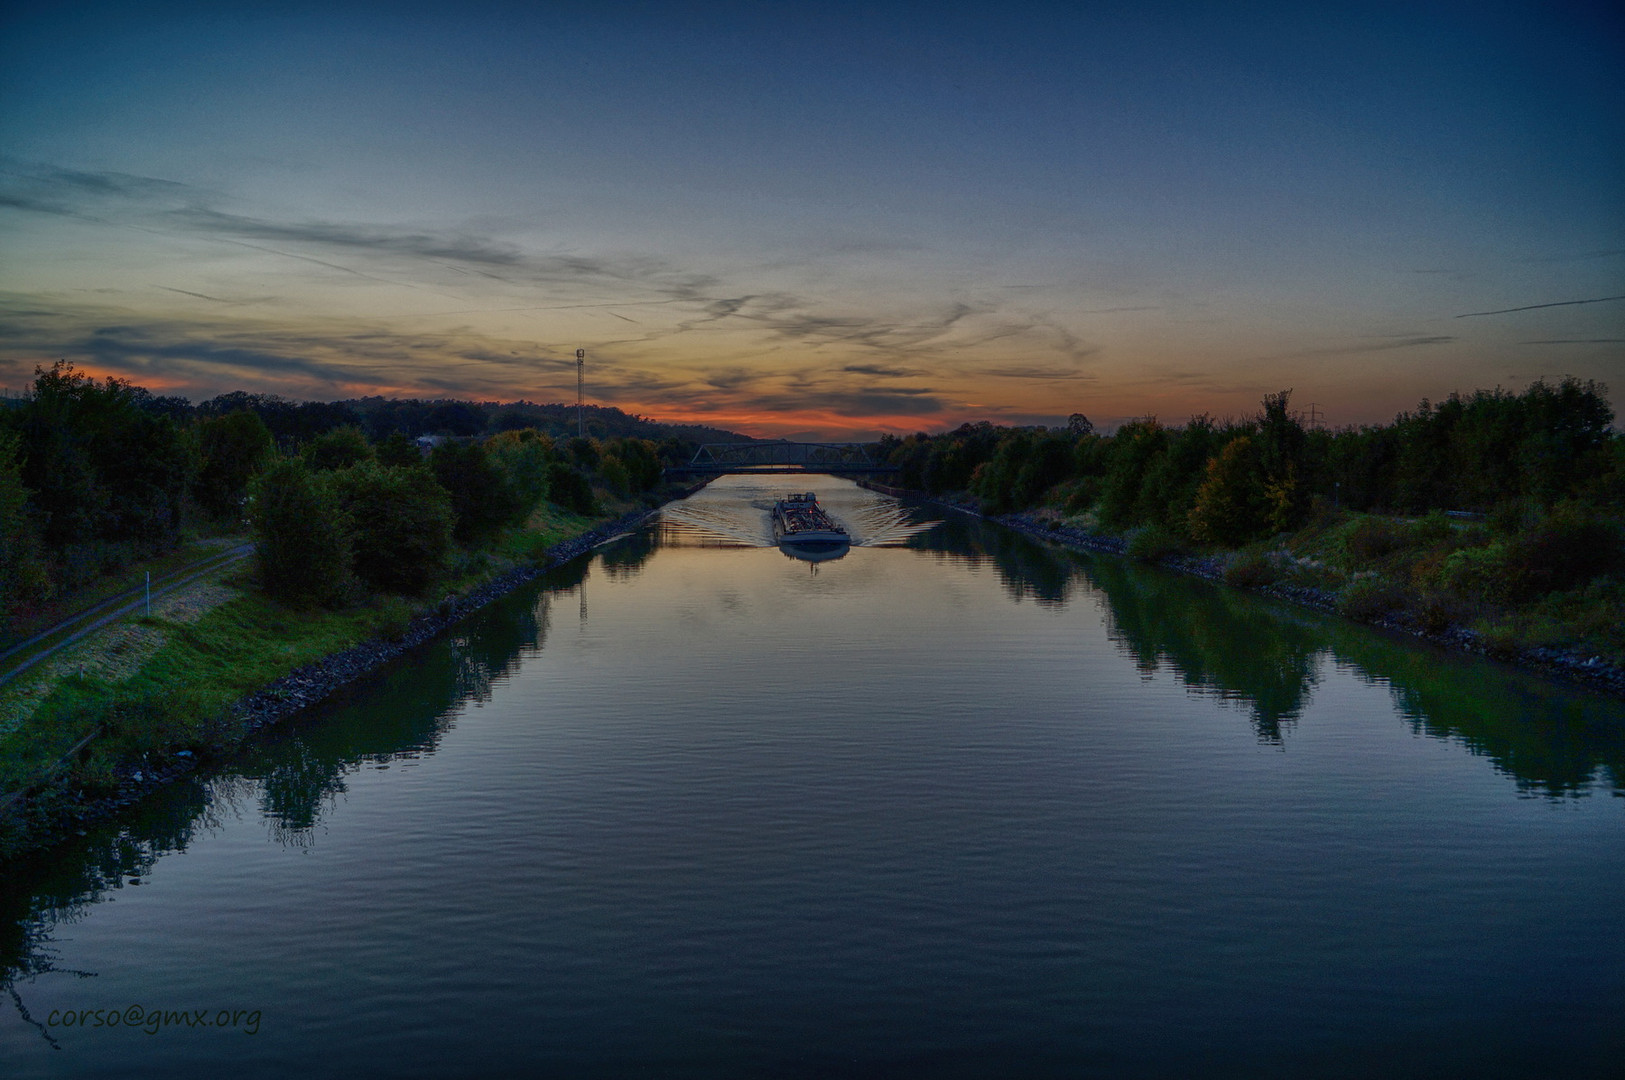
1382	345
392	241
1532	307
883	372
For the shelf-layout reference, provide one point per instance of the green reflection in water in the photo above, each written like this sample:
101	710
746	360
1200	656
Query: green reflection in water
1257	653
1265	654
295	772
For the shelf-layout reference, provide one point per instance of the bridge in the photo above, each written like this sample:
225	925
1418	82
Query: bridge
780	457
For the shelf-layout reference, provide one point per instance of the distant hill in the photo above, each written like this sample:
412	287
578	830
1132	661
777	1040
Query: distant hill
294	421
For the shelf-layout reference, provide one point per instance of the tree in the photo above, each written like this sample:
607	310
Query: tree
24	574
1230	508
481	496
1281	444
401	523
456	418
337	449
523	456
568	488
1134	450
231	449
101	469
302	534
399	451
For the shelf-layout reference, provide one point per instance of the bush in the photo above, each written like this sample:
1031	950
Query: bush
1565	551
393	618
481	496
568	488
1153	543
302	535
523	456
231	449
337	449
154	720
1373	538
1230	506
24	575
1562	552
1251	569
402	525
398	451
1369	597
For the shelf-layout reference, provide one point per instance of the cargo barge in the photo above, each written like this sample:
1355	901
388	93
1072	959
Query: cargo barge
799	522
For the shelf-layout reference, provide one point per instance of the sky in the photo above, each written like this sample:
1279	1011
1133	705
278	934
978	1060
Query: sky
818	220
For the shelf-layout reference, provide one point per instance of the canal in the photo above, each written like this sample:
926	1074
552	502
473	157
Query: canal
952	804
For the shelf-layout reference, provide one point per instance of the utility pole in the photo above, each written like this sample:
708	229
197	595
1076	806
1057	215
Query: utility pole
1317	419
581	376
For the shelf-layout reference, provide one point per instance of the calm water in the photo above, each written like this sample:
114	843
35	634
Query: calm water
952	805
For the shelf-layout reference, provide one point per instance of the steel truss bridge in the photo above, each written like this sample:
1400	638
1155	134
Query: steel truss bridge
780	457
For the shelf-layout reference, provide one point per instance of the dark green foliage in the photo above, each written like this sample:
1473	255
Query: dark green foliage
302	534
1367	598
512	420
1153	543
1470	453
584	454
337	449
1252	568
100	469
1170	481
1560	552
481	495
908	455
1134	449
523	456
401	523
291	423
1230	505
398	451
1282	446
568	488
24	574
1374	538
640	459
463	418
230	450
1025	466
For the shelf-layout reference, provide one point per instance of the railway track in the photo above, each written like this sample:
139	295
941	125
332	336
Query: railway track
48	642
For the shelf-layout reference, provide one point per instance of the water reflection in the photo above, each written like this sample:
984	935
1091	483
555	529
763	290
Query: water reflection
1027	569
1217	641
295	774
1265	658
625	558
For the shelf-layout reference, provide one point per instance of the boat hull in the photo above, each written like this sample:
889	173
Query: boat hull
799	522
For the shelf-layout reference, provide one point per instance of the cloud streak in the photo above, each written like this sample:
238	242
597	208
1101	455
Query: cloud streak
1533	307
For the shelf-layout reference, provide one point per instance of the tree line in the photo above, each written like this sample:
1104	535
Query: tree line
97	473
1242	479
1514	495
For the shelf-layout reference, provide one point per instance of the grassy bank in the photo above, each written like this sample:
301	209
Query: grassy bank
151	697
1526	592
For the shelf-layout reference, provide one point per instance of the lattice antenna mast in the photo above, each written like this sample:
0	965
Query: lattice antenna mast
581	378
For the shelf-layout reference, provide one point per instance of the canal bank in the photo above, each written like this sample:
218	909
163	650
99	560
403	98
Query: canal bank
1566	664
72	792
